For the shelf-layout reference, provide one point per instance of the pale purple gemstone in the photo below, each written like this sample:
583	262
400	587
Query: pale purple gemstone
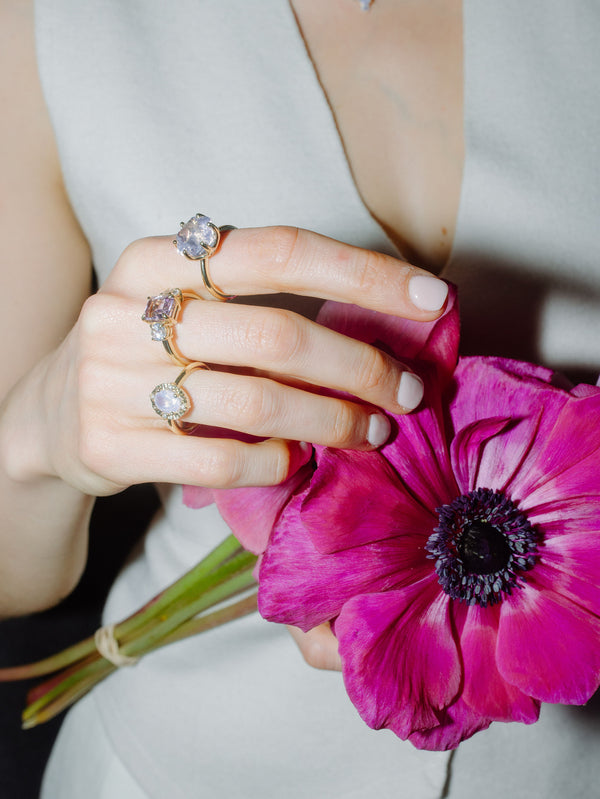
167	401
197	237
163	306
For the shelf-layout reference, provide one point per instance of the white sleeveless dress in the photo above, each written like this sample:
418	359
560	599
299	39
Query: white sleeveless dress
165	109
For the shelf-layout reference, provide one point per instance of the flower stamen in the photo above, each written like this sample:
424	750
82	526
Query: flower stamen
481	547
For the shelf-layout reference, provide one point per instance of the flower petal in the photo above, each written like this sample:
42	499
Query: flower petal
570	566
435	342
567	461
485	691
197	496
252	512
299	585
419	450
548	646
457	723
466	452
356	498
400	661
492	388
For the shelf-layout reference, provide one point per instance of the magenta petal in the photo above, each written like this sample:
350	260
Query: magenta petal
356	498
197	497
485	691
434	342
548	646
252	512
466	451
400	662
457	724
419	450
570	566
299	585
567	462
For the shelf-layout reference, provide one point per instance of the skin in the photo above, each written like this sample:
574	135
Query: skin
60	445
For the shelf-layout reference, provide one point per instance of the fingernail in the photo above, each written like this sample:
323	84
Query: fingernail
410	391
379	429
427	293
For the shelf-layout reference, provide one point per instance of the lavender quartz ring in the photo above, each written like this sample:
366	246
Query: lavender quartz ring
171	402
198	239
162	314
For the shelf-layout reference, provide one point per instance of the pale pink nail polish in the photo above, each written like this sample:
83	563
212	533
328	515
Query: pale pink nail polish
410	391
427	293
379	429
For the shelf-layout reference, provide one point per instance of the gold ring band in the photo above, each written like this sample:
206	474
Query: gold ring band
198	239
162	314
171	402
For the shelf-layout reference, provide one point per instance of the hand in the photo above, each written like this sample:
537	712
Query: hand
267	364
319	647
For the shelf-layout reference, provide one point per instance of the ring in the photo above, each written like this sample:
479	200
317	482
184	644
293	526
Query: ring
198	239
162	314
171	402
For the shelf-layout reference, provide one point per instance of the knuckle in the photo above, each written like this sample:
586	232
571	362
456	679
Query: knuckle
277	335
314	652
220	468
277	249
367	270
252	405
344	426
372	371
93	315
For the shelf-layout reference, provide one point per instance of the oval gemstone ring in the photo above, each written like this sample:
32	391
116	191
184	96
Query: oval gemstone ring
171	402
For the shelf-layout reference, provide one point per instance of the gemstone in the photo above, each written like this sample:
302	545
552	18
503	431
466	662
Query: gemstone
169	401
163	306
198	237
159	332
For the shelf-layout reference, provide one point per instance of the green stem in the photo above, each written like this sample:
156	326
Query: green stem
211	587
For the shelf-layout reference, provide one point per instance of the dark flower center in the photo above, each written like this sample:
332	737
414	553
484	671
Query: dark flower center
481	547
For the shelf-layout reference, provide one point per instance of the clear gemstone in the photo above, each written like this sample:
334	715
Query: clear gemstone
197	237
159	332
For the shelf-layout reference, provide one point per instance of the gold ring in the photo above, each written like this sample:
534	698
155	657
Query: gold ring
171	402
198	239
162	314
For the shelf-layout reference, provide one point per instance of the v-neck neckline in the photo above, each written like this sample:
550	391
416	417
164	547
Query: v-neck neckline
336	141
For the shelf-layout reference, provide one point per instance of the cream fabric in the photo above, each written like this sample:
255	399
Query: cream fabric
165	109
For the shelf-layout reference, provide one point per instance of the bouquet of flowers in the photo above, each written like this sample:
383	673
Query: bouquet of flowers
458	566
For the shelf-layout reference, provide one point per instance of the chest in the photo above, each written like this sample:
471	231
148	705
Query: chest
393	78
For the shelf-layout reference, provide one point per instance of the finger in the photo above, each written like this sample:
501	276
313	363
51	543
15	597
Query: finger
284	259
286	344
157	455
265	408
319	647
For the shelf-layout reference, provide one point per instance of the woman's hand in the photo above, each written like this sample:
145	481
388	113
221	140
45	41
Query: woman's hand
267	364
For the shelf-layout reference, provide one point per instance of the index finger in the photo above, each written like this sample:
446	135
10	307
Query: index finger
273	260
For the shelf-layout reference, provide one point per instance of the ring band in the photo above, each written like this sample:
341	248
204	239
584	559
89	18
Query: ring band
162	314
171	402
198	239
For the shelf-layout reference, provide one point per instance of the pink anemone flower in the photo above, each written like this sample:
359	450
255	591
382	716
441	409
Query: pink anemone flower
459	564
